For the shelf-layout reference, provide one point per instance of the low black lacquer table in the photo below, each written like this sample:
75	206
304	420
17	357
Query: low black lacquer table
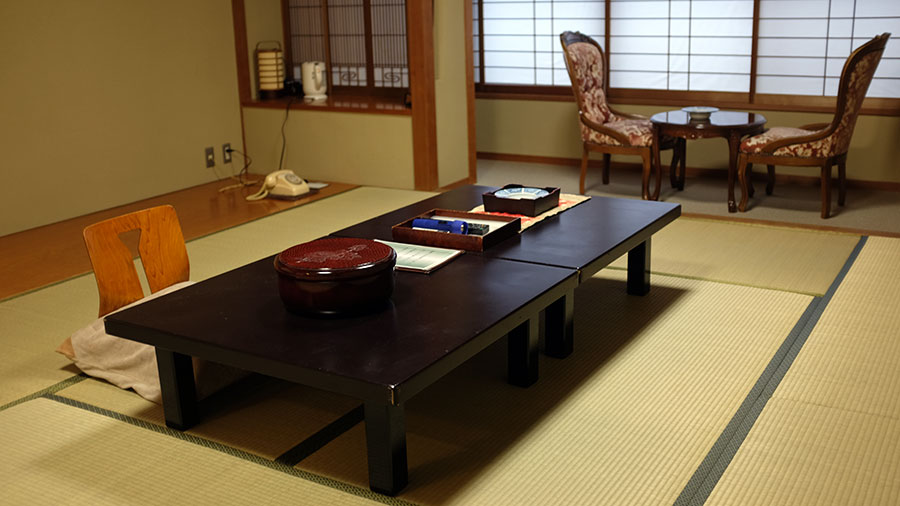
432	324
586	238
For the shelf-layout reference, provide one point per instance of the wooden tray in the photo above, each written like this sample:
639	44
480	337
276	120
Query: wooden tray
507	226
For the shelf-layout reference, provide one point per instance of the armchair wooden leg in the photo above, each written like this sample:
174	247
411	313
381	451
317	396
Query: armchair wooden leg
584	164
658	168
606	162
748	174
826	189
770	184
842	181
648	168
742	167
645	178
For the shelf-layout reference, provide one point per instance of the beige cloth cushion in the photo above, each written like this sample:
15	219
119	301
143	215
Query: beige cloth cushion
130	364
818	148
638	131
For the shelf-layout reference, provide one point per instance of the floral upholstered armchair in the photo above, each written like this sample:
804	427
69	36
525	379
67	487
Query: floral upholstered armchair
603	129
819	145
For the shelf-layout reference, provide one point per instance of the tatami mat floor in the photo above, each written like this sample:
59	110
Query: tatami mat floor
57	454
777	258
831	432
627	418
654	386
49	315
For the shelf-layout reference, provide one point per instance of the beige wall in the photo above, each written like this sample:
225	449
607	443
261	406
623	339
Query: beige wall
356	148
106	102
544	128
450	92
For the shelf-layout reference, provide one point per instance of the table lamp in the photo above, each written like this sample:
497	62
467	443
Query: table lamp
270	69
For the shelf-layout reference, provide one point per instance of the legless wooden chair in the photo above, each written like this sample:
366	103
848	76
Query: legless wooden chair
603	129
165	260
820	145
161	248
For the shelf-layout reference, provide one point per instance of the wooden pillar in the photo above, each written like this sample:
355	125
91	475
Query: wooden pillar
470	92
420	50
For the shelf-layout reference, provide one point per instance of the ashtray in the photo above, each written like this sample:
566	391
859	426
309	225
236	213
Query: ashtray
335	276
519	199
699	112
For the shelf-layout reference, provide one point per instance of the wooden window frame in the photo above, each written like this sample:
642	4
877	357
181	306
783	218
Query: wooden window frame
876	106
369	90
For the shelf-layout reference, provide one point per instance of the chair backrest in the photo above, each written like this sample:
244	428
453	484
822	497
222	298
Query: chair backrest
855	79
161	248
586	65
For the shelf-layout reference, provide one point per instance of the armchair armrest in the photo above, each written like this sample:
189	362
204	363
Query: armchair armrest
626	115
772	146
815	126
597	127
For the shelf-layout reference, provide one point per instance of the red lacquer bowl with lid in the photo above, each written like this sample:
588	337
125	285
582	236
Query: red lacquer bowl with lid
336	276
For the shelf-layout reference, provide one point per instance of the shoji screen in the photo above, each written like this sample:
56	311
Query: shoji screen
803	44
521	38
389	44
347	41
700	45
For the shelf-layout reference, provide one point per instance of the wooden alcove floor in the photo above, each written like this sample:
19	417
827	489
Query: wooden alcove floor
51	253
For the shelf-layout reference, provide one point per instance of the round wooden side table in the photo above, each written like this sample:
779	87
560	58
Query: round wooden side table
730	125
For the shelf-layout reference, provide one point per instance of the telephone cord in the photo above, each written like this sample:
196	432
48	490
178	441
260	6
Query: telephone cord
240	176
261	194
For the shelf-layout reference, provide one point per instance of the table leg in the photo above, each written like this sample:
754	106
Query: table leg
176	382
386	447
734	142
522	353
645	175
673	167
560	326
639	269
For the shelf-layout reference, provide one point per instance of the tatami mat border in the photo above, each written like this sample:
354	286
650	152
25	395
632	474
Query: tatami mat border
52	389
276	466
710	470
48	285
315	442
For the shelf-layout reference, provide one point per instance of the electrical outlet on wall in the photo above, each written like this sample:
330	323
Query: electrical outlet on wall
210	157
226	152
